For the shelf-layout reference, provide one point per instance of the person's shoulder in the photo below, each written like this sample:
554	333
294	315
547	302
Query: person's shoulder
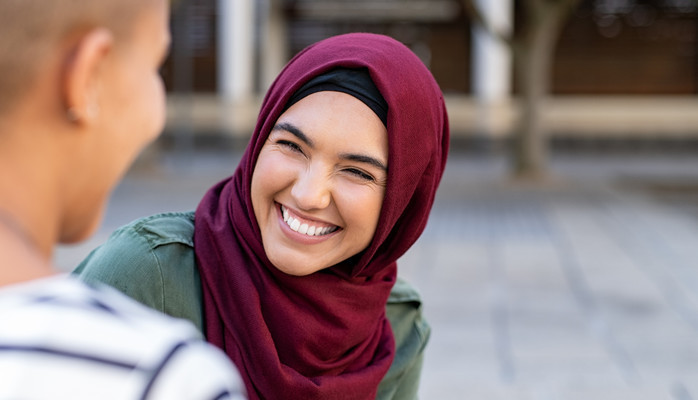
152	261
173	349
93	321
411	333
404	311
160	229
134	245
105	335
404	293
100	306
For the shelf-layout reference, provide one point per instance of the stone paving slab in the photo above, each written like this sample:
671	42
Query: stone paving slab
574	290
579	289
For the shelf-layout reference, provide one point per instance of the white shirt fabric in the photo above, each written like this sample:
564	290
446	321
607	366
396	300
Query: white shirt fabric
61	339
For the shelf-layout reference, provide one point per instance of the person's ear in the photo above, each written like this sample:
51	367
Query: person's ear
81	75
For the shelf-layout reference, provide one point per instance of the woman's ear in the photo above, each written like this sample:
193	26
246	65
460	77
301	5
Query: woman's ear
80	80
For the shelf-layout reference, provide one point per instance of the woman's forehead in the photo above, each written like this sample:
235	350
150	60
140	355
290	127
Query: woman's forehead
340	119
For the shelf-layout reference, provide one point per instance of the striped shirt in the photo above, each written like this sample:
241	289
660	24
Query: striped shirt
61	339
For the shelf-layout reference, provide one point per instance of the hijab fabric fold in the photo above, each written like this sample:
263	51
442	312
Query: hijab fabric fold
356	82
325	335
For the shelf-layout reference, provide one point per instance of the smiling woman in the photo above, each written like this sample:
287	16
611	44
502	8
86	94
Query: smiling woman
290	264
319	182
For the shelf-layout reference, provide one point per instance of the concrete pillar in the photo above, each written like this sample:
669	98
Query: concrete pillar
492	66
235	49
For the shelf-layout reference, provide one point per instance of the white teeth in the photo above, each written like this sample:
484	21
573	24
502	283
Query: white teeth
304	228
295	224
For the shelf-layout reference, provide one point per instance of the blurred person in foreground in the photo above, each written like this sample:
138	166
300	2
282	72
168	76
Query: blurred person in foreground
290	264
80	96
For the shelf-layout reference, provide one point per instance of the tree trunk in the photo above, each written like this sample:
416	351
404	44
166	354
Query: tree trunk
532	64
533	48
533	59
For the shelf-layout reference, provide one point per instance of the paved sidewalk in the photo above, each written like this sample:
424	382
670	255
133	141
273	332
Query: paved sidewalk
586	288
578	290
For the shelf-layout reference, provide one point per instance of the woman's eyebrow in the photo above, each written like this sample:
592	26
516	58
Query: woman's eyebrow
295	131
364	159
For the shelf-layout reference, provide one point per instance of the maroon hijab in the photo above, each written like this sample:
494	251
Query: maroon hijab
322	336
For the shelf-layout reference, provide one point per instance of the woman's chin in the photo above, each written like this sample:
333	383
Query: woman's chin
295	269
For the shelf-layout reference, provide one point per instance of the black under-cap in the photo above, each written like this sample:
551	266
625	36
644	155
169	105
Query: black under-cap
355	82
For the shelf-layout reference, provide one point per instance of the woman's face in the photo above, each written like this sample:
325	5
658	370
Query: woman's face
319	182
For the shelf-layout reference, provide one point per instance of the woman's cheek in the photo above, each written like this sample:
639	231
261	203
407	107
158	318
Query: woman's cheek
360	203
272	173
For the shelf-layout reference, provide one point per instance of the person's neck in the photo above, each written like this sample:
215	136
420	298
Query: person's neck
27	216
30	194
20	258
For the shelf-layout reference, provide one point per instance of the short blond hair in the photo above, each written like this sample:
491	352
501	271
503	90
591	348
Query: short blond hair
31	29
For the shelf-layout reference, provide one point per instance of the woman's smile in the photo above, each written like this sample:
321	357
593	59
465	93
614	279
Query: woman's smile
306	226
302	230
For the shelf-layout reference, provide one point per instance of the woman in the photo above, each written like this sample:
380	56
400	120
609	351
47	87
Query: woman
290	264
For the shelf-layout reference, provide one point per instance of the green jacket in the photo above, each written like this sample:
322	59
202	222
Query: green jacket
152	260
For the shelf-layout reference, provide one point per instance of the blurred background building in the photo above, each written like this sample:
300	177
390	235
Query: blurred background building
622	68
581	287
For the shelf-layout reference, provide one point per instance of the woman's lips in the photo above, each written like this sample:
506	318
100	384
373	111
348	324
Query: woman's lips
305	226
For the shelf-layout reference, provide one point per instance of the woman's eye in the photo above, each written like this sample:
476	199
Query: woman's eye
361	174
292	146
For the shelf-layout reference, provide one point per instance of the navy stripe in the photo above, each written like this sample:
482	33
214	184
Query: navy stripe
99	305
225	394
159	368
69	354
92	304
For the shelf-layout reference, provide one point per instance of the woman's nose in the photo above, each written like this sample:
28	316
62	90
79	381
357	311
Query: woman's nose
311	190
